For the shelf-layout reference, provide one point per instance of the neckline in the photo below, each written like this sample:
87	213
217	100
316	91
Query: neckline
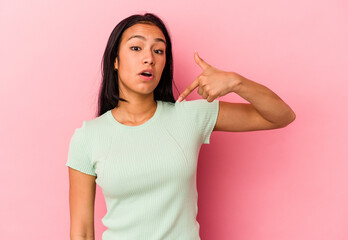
145	124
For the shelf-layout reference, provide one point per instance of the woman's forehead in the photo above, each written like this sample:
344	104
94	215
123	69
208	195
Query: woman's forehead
143	32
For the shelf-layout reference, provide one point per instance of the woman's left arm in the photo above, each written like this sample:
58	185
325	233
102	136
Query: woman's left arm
265	111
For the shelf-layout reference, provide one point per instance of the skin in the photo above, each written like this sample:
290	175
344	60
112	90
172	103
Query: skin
135	55
82	189
266	109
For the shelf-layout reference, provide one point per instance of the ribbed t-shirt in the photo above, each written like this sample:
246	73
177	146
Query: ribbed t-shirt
147	173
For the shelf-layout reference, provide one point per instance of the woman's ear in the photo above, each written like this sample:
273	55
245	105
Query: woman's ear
116	63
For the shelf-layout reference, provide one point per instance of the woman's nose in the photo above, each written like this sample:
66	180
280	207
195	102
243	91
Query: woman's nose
148	58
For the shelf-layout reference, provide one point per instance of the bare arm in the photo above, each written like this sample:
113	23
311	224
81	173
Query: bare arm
268	104
81	200
266	111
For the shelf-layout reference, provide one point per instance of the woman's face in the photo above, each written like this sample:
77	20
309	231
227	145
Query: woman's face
142	47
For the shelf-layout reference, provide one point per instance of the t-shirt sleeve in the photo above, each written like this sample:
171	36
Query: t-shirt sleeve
79	156
204	114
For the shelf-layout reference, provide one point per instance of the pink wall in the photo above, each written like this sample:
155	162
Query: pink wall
281	184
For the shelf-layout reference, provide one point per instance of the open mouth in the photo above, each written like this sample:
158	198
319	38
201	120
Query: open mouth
146	74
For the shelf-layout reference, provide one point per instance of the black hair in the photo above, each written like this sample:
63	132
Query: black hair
109	90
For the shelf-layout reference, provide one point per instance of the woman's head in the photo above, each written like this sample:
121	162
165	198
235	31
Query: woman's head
132	56
142	47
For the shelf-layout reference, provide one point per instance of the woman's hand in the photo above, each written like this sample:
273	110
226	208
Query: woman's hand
265	111
212	82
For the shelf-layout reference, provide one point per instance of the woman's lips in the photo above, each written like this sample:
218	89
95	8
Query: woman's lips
146	78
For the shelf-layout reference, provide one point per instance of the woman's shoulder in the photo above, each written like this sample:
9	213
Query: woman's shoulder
190	105
185	103
93	125
195	104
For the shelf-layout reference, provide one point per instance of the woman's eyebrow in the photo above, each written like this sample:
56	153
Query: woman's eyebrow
143	38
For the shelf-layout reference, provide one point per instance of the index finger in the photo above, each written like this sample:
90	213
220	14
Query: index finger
188	90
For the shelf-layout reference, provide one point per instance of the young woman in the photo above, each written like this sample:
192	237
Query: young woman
142	148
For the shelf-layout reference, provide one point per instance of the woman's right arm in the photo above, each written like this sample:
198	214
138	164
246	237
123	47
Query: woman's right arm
81	200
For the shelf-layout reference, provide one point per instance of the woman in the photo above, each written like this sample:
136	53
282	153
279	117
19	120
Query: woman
142	148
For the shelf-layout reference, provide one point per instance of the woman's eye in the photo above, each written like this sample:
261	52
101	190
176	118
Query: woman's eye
159	51
135	48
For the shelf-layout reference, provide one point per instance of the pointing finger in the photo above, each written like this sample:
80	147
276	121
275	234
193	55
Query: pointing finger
188	90
201	62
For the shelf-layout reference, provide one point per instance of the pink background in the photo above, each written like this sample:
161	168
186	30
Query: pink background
282	184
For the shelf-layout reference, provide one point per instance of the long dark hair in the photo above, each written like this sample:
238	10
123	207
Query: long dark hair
109	90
